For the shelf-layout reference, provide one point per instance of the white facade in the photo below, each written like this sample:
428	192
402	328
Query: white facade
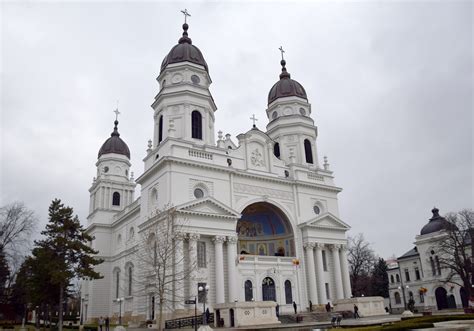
235	178
419	275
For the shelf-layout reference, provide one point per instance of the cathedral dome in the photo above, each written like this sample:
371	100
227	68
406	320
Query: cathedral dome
436	223
114	144
184	51
286	87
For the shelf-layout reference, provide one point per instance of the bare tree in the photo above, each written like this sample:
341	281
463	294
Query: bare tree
16	226
361	259
162	268
455	249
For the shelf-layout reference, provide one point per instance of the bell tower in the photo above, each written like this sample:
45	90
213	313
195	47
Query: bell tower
290	124
184	107
113	187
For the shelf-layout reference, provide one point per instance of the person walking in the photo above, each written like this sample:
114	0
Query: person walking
107	323
356	312
328	307
294	306
310	306
101	323
277	310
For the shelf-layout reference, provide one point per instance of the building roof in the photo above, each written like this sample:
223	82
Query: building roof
411	253
114	144
286	87
184	51
436	223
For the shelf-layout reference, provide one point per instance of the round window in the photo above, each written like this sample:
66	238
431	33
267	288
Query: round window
198	193
106	169
195	79
317	210
274	115
302	111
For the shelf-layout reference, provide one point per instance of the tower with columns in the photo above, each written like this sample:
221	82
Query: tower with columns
261	214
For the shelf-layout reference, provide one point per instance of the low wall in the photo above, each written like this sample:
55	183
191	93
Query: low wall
368	306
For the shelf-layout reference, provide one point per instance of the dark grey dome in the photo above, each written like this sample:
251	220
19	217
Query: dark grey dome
114	144
436	223
286	87
184	51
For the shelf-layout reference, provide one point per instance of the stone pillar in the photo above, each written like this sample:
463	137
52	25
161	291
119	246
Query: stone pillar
337	271
179	270
311	272
193	266
346	280
219	263
319	273
231	268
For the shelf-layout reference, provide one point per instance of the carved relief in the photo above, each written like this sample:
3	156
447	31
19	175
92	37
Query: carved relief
257	158
258	190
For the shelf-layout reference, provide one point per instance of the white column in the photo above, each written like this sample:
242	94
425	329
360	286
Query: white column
337	271
311	272
179	270
219	264
346	280
319	274
193	266
231	268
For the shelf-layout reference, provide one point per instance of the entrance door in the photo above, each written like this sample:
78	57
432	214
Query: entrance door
268	289
451	302
231	313
464	298
441	299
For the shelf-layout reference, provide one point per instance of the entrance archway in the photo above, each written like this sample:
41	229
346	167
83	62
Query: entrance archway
441	298
464	297
268	289
264	229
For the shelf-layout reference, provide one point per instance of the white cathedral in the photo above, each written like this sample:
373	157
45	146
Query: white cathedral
262	213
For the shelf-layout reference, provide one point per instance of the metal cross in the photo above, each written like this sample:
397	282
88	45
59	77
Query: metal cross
116	111
186	14
254	119
282	51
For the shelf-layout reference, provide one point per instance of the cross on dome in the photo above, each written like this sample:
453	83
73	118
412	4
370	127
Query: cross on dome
254	119
117	113
282	51
186	14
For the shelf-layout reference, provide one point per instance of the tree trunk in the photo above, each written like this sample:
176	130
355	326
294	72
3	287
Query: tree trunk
60	317
160	315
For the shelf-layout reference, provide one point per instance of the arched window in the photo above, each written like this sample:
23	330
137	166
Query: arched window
196	125
391	279
160	129
268	289
308	151
116	199
130	280
397	298
397	277
276	150
288	293
248	290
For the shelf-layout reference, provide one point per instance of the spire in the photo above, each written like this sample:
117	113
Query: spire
284	73
115	133
185	38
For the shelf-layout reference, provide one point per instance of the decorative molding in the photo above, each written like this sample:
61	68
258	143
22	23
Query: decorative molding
320	246
258	190
309	245
194	236
218	239
232	240
257	158
199	154
313	176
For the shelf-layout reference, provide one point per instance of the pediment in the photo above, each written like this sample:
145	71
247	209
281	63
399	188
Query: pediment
326	221
208	207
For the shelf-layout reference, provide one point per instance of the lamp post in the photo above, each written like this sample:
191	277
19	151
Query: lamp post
403	293
82	312
204	290
120	309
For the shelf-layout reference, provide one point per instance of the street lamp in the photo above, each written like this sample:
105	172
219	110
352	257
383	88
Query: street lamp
402	288
204	290
82	311
119	300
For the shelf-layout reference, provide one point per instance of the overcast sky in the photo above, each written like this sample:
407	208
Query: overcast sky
390	86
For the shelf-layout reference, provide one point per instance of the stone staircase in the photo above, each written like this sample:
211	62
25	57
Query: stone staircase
306	316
